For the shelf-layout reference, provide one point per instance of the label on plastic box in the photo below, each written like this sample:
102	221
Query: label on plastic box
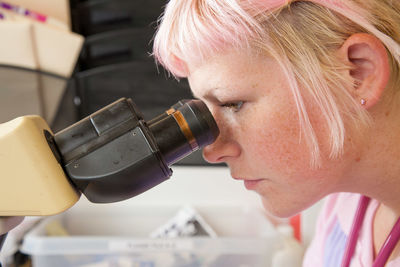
186	223
150	245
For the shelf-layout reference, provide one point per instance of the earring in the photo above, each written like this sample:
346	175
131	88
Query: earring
363	101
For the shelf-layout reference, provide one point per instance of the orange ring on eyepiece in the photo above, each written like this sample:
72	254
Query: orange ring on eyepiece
184	126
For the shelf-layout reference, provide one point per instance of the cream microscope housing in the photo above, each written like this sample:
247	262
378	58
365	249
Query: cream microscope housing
32	182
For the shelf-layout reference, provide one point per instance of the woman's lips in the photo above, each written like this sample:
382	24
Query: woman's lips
252	184
249	183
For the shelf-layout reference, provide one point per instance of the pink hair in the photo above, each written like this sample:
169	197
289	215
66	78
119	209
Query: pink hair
232	23
187	37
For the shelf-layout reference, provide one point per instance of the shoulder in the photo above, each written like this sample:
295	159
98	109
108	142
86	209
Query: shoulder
339	207
335	216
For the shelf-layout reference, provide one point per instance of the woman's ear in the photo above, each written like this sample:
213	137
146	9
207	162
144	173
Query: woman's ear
370	67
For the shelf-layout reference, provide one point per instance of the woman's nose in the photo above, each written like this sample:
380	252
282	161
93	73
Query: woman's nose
224	148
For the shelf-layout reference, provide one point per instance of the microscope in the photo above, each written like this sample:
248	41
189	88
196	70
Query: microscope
109	156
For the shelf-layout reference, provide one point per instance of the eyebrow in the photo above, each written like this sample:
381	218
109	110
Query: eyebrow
210	96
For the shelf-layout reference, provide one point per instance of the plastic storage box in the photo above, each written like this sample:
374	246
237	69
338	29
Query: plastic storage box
120	237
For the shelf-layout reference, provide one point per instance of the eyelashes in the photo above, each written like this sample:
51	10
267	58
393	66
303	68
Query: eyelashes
234	106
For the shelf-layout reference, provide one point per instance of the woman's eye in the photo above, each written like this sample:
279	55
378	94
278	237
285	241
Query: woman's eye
235	106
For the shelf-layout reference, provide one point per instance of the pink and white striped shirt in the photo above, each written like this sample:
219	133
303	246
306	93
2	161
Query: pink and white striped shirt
333	228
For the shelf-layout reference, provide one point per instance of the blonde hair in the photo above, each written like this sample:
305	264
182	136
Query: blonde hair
301	35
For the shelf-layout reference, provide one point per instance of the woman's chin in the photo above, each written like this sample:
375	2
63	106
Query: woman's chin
280	210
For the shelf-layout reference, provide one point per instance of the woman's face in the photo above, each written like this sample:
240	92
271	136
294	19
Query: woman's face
260	137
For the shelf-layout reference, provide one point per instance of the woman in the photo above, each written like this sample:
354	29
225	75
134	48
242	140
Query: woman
305	94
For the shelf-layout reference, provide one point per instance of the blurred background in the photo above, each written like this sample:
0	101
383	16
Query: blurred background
65	59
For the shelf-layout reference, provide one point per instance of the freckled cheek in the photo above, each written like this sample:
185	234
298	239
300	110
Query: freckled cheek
277	141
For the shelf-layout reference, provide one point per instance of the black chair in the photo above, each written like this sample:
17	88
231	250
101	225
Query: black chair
93	17
116	47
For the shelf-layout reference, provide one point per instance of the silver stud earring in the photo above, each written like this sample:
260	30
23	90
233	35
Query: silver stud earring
363	101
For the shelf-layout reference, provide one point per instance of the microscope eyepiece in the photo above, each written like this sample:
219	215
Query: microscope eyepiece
184	128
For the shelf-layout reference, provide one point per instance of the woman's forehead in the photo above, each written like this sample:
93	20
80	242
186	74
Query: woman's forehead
230	60
234	70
